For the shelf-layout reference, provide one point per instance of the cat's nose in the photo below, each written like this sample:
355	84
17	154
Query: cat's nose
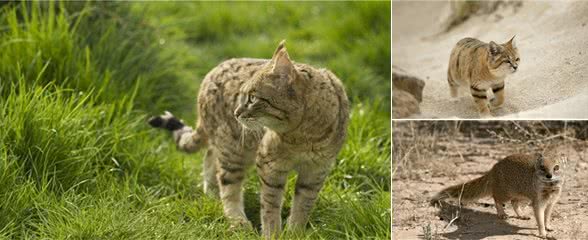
238	111
548	176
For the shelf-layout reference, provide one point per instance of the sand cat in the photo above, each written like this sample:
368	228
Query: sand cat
519	179
482	66
275	114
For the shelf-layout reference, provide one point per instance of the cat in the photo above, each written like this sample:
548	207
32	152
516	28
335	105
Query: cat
482	66
279	115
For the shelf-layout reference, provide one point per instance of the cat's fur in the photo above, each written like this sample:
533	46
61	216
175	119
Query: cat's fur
280	115
482	66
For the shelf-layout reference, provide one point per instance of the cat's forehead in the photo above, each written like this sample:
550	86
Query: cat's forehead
550	160
509	50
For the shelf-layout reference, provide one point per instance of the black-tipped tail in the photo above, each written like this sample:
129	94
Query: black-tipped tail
166	121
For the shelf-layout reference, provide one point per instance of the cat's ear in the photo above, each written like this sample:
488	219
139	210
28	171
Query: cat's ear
494	48
511	42
280	47
281	63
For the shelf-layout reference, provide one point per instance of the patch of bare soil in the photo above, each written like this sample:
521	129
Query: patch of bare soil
430	156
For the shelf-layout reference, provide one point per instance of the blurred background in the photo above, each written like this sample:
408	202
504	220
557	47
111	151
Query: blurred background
77	81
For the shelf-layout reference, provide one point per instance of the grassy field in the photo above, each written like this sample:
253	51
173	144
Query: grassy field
77	81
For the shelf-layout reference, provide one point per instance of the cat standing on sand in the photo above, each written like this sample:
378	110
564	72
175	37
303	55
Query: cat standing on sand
482	66
518	178
279	115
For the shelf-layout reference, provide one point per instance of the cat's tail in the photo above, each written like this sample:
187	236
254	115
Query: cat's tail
186	138
465	192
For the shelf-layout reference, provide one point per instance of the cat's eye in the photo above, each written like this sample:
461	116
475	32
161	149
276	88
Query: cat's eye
251	99
556	167
518	59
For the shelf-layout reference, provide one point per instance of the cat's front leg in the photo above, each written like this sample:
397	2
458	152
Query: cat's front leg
308	186
273	181
481	100
498	99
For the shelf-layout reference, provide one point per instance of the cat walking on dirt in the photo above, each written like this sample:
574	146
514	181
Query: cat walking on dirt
279	115
519	179
482	66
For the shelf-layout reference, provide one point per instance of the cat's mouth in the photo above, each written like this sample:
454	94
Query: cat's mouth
551	181
249	122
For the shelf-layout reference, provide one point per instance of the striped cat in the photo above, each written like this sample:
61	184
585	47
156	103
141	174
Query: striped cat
482	66
282	116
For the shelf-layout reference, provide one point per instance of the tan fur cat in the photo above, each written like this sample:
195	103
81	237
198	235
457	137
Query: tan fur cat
282	116
482	66
518	178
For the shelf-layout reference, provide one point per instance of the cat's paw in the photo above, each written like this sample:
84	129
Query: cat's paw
494	103
240	224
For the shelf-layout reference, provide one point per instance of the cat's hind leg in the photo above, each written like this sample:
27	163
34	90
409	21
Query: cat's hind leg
209	173
516	205
231	170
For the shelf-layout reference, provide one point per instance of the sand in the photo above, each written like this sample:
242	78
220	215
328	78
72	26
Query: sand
552	37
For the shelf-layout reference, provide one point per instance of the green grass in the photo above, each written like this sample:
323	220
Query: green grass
78	80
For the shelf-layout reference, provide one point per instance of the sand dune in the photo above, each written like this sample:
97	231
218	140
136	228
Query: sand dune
552	37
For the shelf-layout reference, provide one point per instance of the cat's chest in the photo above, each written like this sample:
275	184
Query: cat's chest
487	84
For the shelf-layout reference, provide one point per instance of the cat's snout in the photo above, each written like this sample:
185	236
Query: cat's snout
238	111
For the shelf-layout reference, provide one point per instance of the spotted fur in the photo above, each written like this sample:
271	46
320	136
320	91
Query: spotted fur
482	66
279	115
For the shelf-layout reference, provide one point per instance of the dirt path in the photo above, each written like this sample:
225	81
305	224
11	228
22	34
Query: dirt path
552	80
425	162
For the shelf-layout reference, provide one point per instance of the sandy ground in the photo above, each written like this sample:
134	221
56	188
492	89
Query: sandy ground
427	161
553	46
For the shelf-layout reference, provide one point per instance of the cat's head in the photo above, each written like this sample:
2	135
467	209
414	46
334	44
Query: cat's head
273	98
503	58
548	168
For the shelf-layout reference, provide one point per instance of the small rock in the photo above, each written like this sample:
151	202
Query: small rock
404	104
403	81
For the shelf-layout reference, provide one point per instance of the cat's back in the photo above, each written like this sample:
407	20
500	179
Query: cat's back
467	59
222	83
219	93
230	74
514	175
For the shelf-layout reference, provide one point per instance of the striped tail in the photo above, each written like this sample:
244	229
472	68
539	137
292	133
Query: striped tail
466	192
187	139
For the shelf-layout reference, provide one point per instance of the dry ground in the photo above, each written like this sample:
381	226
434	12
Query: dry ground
429	156
551	36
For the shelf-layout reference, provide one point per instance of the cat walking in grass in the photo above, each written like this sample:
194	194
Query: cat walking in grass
275	114
482	66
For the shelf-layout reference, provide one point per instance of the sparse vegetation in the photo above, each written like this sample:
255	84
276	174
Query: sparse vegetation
431	155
